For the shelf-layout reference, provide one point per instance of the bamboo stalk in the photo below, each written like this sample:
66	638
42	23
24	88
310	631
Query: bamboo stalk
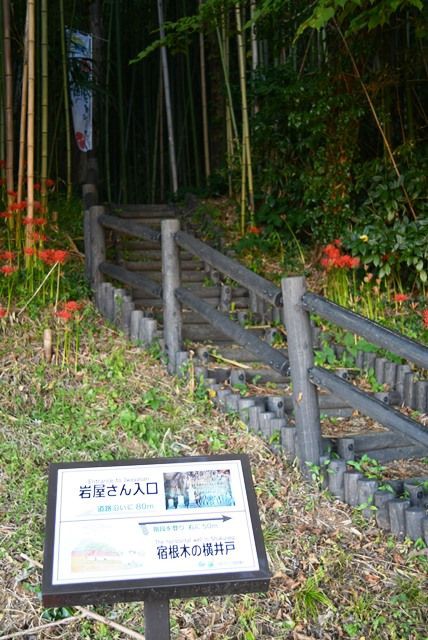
161	140
66	101
156	140
107	108
22	126
226	82
30	122
231	126
190	94
122	142
2	103
167	96
254	47
246	155
44	104
204	102
8	98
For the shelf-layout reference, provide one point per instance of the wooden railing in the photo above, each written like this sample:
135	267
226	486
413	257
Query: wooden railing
296	305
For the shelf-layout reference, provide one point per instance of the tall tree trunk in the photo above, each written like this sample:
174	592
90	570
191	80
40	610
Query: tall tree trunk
168	105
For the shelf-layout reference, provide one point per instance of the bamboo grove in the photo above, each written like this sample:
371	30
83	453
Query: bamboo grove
289	107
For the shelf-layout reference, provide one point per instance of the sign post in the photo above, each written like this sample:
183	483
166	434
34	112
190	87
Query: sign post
152	530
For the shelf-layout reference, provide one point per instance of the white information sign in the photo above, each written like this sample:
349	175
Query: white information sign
126	522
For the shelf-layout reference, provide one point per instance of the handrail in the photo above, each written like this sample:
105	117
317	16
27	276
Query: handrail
370	406
267	354
136	280
137	229
263	288
372	331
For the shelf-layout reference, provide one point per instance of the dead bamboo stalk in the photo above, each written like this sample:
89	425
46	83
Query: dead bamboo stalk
87	613
377	121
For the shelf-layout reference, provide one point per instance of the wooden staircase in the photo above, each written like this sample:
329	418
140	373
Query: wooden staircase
145	256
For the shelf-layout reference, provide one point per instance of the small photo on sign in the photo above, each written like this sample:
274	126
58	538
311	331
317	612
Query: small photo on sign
198	489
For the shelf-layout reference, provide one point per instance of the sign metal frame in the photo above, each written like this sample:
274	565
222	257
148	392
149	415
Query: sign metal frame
152	588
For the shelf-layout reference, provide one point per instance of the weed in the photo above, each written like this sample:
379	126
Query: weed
310	597
368	466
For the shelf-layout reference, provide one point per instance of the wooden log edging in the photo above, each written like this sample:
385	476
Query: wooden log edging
402	509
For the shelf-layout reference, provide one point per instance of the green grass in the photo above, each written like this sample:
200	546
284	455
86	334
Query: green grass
116	402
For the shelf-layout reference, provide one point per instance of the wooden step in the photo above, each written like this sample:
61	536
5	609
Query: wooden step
152	265
239	354
144	211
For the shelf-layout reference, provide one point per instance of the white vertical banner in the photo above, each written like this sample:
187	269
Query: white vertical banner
80	83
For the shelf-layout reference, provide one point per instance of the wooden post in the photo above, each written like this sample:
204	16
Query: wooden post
156	620
90	198
300	354
172	321
98	245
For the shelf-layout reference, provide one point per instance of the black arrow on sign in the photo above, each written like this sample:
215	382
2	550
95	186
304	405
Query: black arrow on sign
222	518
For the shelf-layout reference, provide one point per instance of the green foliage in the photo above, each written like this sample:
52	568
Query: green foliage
304	140
359	14
57	613
384	235
368	466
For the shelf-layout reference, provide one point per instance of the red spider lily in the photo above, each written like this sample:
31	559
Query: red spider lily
40	237
8	269
7	255
333	258
63	314
61	256
346	261
47	256
18	206
36	221
6	215
3	312
72	305
36	186
50	182
30	251
401	297
53	256
255	230
425	317
12	194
